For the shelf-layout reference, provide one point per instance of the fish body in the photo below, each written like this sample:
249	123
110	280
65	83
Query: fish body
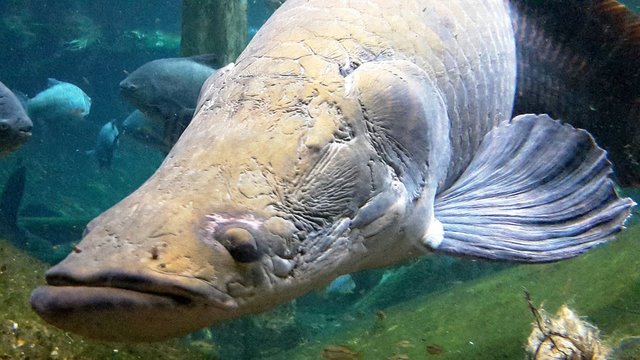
15	124
348	135
166	90
106	144
340	286
145	130
60	100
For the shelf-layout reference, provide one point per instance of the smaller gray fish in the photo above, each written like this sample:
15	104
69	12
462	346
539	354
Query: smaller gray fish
61	100
167	90
106	144
145	130
15	124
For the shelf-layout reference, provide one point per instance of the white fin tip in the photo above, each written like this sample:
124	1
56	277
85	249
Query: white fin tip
434	236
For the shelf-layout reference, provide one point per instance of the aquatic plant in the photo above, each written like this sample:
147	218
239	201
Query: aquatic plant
564	336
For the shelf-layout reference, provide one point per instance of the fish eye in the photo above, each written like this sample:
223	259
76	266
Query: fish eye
240	244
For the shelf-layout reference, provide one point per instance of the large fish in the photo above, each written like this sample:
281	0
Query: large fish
15	124
166	90
348	135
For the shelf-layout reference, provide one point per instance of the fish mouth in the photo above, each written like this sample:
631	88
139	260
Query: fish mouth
115	306
17	135
13	141
24	132
24	135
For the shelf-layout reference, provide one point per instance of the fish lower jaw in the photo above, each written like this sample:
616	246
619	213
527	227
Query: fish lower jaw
115	314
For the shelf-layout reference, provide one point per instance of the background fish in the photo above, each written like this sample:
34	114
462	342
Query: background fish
145	130
10	201
61	100
15	124
166	90
340	286
106	144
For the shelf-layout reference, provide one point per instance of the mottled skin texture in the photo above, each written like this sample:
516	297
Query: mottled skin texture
319	153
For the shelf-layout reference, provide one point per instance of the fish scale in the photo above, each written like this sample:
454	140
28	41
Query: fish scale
494	80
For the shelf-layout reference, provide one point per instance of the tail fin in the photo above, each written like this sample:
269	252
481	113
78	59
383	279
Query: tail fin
536	191
579	60
12	197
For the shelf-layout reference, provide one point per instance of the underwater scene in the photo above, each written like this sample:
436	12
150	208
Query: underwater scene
261	188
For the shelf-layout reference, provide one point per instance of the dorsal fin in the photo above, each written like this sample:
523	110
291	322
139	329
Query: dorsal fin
51	82
211	60
579	60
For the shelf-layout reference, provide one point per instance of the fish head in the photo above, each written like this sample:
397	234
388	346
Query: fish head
137	89
15	124
85	107
162	87
14	132
70	98
274	189
144	129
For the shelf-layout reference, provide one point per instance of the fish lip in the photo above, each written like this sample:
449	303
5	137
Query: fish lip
50	301
24	134
113	314
16	137
20	133
195	293
110	314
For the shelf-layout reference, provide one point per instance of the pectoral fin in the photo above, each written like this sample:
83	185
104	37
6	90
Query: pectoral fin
536	191
51	82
